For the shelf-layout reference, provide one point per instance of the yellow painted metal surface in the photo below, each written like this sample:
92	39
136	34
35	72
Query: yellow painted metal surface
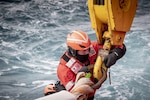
115	16
97	72
110	19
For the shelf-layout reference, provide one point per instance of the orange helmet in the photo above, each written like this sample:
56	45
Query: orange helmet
78	40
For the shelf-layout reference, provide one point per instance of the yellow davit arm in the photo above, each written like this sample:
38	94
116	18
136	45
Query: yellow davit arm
110	19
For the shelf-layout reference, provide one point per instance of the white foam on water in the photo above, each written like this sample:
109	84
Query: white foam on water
20	84
41	83
141	23
6	97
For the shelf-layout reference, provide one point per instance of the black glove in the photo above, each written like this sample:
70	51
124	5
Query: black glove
110	59
114	55
120	52
84	69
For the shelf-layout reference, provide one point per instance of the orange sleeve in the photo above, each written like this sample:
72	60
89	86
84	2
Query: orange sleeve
65	75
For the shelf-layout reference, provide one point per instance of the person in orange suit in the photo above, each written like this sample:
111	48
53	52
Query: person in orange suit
81	53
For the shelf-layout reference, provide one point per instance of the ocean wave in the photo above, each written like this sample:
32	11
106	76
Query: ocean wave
33	37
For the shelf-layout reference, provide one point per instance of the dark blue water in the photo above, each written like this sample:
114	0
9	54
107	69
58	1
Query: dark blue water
32	39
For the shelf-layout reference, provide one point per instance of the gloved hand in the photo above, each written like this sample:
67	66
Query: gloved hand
86	69
82	86
110	59
114	55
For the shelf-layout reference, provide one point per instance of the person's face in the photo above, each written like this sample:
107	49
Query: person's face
84	52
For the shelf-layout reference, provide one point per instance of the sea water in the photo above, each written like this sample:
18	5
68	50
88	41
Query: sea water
32	39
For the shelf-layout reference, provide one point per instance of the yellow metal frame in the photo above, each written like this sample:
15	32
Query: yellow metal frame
117	15
110	19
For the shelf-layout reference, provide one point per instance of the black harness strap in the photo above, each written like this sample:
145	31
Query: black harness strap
65	57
